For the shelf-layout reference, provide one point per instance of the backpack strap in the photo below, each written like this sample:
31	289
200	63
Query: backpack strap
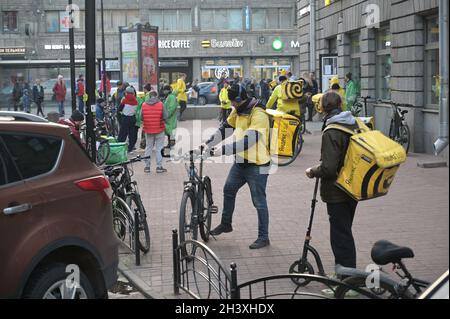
361	128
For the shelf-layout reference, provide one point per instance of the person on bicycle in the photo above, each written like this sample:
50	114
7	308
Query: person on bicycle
340	206
249	125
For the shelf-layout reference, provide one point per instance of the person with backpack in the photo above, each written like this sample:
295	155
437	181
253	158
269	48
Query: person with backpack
182	96
249	124
340	206
336	87
38	96
287	106
153	118
60	90
80	90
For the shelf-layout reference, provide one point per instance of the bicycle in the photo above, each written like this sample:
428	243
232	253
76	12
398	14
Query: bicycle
101	141
358	106
383	253
127	201
399	130
111	123
197	205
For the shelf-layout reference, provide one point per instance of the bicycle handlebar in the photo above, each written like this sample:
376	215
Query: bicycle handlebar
187	156
394	103
130	161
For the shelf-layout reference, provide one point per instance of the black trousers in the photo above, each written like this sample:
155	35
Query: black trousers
39	108
128	129
183	107
341	217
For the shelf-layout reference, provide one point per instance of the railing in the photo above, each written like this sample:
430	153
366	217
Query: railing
202	275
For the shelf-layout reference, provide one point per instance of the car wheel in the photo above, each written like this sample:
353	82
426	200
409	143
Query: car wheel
49	282
202	100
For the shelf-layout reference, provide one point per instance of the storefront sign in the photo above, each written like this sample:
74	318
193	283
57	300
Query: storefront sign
12	51
63	47
295	44
174	44
214	43
277	44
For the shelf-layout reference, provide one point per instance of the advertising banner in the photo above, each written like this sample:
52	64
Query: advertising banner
149	57
130	58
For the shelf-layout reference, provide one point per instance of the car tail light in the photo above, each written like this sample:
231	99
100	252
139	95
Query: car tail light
213	89
96	184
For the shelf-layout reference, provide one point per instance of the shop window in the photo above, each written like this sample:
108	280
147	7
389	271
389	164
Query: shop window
171	20
355	44
10	21
332	46
432	78
52	21
269	68
383	64
269	19
221	19
213	68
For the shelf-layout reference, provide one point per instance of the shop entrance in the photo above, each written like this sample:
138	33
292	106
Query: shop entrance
170	70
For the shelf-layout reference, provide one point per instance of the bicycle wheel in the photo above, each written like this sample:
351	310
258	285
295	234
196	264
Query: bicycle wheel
123	222
303	124
103	152
405	137
135	203
285	160
384	290
206	218
188	228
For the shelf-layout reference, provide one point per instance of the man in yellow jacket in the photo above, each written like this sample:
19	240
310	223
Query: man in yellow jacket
182	96
225	102
335	86
287	106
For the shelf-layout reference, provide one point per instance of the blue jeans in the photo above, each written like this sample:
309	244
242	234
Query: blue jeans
241	174
80	104
61	107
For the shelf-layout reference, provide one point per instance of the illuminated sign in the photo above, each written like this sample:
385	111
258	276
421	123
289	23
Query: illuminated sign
214	43
277	44
174	44
12	51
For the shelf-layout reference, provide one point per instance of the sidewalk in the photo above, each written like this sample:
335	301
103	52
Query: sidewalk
415	213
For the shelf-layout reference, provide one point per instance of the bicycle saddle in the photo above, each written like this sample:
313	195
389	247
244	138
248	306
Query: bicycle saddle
385	252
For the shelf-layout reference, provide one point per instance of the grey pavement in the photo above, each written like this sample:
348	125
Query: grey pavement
415	213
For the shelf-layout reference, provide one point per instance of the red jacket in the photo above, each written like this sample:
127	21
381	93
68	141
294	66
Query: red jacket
152	118
73	129
80	85
60	91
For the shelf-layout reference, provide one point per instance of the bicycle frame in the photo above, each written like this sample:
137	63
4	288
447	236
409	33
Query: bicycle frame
196	186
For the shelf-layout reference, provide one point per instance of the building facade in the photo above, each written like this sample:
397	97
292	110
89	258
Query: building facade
200	38
391	48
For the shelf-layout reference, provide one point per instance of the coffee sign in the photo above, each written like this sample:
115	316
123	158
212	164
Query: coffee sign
174	44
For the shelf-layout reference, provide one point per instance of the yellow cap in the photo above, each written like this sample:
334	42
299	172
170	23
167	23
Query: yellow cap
317	100
334	80
283	72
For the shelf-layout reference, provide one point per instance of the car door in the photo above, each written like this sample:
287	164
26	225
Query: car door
22	224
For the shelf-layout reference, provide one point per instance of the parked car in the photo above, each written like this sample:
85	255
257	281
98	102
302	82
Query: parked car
55	215
208	94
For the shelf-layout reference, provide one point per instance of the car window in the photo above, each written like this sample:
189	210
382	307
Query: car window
33	155
8	171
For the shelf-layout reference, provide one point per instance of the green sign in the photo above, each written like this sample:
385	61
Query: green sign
277	44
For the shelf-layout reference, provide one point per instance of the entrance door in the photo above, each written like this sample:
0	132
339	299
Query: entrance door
170	70
328	70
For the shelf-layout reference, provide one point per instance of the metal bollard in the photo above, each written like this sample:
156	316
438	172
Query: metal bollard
234	290
137	247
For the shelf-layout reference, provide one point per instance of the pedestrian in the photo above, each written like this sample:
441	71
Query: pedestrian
74	123
161	85
141	99
265	91
336	87
105	79
236	78
225	103
182	97
80	90
38	96
350	91
26	100
127	110
60	90
286	106
17	94
314	91
340	206
153	118
100	109
249	125
170	105
306	102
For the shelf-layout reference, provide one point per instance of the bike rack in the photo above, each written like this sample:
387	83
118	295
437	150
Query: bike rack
202	275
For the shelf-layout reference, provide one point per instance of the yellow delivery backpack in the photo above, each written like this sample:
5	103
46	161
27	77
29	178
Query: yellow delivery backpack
291	90
371	162
284	129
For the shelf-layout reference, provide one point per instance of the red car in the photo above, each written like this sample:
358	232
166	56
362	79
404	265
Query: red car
57	239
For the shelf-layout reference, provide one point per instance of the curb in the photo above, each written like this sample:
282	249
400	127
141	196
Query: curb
138	283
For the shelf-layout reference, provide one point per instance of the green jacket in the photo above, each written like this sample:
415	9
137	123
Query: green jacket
333	151
351	92
170	105
140	100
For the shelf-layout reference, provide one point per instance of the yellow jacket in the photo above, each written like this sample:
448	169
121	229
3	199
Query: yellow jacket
223	98
181	88
286	106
